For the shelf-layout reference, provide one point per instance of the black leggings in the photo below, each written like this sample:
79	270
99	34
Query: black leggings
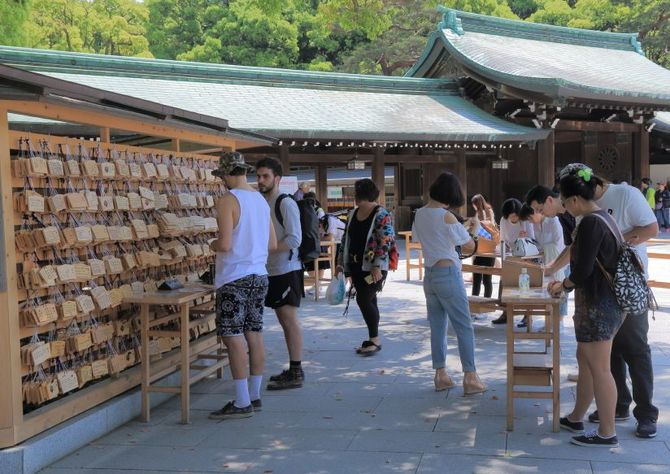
478	277
366	297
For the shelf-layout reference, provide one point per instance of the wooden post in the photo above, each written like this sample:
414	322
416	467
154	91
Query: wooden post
640	155
105	135
546	161
175	144
284	158
461	165
397	190
378	174
321	183
11	408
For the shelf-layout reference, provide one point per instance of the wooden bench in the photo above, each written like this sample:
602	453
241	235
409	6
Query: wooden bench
409	246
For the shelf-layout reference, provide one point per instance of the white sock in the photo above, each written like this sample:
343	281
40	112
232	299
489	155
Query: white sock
241	393
255	386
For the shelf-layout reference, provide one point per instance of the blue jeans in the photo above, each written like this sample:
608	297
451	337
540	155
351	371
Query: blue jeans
446	298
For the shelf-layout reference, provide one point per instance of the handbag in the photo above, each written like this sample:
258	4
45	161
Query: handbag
629	282
525	247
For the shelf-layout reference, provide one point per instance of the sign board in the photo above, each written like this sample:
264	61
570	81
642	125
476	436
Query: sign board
335	192
288	184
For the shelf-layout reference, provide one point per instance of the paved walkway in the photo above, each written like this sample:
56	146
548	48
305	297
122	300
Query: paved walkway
379	414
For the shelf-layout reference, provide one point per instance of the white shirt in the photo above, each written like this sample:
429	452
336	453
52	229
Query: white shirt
438	239
509	232
550	233
629	208
249	250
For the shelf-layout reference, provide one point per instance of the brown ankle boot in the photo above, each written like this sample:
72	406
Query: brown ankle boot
472	384
442	380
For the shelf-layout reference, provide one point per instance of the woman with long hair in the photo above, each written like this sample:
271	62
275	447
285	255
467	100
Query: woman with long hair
597	317
484	213
364	256
440	232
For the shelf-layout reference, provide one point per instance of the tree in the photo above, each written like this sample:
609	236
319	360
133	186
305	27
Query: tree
397	47
13	14
177	26
95	26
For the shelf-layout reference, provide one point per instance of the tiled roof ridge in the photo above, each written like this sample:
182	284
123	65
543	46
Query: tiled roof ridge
461	22
66	61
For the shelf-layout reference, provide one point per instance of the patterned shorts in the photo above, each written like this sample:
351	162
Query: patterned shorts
239	306
596	320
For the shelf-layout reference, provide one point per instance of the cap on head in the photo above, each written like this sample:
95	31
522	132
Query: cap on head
230	161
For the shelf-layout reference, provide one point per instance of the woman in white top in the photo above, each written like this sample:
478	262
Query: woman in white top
549	235
439	233
511	227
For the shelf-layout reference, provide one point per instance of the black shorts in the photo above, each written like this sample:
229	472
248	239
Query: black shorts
239	305
285	290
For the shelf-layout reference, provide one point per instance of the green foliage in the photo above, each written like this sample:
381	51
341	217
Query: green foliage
95	26
363	36
13	14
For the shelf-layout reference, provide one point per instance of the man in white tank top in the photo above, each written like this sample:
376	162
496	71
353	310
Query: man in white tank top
246	236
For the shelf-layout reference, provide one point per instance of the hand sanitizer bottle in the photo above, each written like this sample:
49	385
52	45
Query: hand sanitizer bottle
524	282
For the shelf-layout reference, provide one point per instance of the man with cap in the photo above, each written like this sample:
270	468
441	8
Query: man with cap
246	236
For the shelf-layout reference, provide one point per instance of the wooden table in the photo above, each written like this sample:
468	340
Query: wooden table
181	298
538	368
409	246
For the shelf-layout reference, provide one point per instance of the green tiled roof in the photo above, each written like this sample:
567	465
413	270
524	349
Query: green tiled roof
284	103
566	65
662	121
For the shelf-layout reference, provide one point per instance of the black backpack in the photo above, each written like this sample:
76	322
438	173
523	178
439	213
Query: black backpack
310	246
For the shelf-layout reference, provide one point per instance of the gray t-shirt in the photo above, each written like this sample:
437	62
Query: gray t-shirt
286	261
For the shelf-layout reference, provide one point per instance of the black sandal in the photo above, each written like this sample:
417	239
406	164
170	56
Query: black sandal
366	344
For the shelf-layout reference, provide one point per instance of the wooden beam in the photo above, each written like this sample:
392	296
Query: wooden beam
105	136
321	181
284	158
100	119
585	126
546	161
461	165
11	403
378	174
175	145
567	136
641	167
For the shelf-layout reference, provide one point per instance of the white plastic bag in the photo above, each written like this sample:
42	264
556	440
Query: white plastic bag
335	291
525	247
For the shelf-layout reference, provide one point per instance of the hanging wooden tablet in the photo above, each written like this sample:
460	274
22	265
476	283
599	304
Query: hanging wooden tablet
57	349
101	297
57	203
107	169
72	167
121	203
55	168
134	201
122	169
99	368
90	168
76	201
91	201
85	304
67	380
84	374
66	273
68	310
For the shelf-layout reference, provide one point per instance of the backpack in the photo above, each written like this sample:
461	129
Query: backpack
310	245
629	282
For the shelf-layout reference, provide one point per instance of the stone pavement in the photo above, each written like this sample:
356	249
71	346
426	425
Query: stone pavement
380	414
